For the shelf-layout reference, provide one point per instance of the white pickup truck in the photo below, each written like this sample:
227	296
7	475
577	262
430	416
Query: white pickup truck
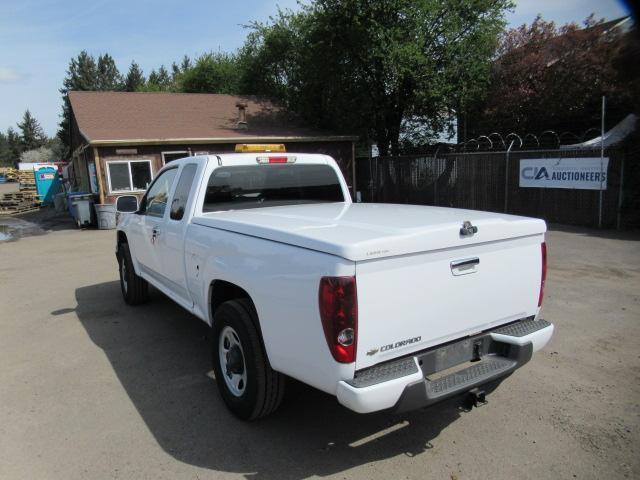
384	306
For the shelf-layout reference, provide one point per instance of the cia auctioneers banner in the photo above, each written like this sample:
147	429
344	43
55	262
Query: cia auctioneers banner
576	173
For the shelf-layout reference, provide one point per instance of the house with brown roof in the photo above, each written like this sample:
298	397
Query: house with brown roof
119	140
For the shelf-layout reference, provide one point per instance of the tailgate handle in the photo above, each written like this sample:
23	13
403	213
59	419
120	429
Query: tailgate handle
463	267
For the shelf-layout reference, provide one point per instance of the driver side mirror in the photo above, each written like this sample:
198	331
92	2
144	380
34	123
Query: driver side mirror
127	204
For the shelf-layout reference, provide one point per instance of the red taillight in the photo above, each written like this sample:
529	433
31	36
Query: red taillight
338	303
543	247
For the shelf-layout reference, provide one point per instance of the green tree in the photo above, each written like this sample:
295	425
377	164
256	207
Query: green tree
164	79
178	70
159	81
175	71
82	74
31	134
212	73
374	68
10	148
6	159
108	76
14	147
186	64
134	79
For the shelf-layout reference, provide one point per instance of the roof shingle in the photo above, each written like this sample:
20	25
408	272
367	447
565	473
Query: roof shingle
142	116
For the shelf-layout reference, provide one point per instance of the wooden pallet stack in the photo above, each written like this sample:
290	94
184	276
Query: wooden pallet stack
25	200
27	180
19	202
10	173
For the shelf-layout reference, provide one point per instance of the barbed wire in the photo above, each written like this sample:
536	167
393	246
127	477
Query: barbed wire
529	141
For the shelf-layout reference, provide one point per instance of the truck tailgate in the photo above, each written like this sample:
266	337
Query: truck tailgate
411	302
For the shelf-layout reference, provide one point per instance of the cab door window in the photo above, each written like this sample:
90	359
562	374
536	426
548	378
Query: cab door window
158	194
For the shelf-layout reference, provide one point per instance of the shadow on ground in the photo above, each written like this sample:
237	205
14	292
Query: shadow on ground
160	354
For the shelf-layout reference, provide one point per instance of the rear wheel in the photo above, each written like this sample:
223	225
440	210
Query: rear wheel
250	388
135	289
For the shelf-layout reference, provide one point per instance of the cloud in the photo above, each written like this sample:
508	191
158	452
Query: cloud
9	75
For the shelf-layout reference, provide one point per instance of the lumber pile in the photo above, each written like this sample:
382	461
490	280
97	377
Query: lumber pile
25	200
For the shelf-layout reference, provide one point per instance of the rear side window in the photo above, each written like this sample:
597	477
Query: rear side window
241	187
183	189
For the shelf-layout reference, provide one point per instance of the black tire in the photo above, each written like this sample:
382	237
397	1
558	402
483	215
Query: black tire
263	388
135	289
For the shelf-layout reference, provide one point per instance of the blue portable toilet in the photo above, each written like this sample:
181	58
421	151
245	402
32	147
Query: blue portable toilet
47	184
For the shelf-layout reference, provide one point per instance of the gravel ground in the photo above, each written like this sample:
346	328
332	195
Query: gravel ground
92	388
9	187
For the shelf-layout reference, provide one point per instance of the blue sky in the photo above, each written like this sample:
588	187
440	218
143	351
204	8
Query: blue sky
39	37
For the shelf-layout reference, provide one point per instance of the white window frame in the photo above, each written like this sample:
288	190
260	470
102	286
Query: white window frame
186	152
128	162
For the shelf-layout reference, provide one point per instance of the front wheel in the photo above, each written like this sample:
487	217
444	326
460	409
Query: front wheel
135	289
249	387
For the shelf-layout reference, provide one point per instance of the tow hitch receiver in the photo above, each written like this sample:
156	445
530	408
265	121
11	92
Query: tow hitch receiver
476	398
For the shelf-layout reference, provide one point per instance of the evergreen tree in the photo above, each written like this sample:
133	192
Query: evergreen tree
159	81
175	71
81	75
186	63
5	151
153	78
134	79
164	79
15	147
108	76
10	148
31	134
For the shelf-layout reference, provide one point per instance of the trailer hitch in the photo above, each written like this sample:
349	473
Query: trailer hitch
476	398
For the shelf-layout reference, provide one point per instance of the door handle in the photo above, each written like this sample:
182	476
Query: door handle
467	262
155	233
